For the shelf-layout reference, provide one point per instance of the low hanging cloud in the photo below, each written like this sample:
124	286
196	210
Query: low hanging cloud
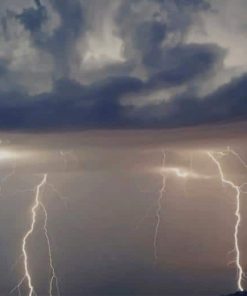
90	64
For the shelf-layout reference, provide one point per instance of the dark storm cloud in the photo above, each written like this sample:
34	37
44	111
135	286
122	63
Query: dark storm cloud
195	4
183	63
3	67
69	105
72	105
226	104
60	44
147	36
147	47
33	18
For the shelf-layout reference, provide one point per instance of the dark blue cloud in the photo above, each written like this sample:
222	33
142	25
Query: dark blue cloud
195	4
61	43
3	67
227	104
70	105
149	35
74	105
33	18
183	63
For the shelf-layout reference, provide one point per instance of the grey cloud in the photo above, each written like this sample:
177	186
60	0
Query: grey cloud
155	57
184	63
154	31
227	104
33	18
3	67
72	106
61	43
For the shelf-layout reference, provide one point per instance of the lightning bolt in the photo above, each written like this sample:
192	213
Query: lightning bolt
158	209
29	233
37	204
240	273
185	174
180	173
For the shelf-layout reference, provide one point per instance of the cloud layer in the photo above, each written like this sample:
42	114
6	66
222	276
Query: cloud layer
121	64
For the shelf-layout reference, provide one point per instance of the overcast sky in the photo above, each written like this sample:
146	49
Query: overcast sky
121	64
92	92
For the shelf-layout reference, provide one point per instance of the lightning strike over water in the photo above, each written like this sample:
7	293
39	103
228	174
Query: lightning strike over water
158	209
240	273
37	204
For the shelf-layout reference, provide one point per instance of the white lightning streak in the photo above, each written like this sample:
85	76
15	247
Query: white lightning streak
30	231
240	273
185	174
27	275
158	209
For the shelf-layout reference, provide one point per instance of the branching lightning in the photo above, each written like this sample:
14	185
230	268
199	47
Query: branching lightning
164	171
240	273
158	209
184	173
29	232
38	207
37	204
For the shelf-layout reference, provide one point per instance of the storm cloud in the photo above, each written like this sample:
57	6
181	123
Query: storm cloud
119	64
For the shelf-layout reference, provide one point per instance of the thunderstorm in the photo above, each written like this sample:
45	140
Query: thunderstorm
123	147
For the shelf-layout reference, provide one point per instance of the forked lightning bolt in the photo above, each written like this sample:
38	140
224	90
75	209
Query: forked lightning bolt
29	232
158	209
37	204
240	273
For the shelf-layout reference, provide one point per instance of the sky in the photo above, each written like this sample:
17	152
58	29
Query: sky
106	64
92	93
